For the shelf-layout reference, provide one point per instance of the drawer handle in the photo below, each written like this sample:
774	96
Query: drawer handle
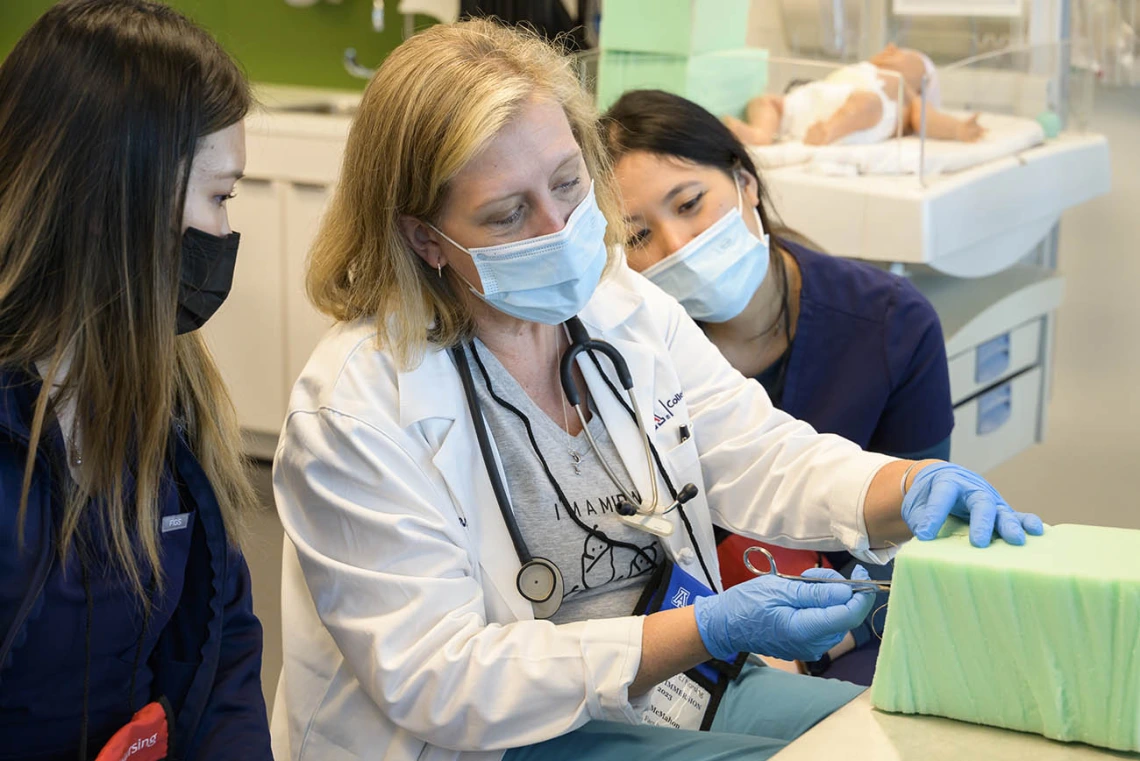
992	359
994	408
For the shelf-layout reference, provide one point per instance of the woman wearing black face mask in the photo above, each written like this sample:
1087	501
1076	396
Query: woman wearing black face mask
126	626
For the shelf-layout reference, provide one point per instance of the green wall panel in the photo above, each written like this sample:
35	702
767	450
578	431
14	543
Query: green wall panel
274	42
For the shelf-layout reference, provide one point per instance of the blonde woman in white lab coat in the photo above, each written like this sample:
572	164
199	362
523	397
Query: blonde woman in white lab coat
475	214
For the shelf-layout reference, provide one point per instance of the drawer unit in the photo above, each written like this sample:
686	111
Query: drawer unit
995	360
998	423
998	333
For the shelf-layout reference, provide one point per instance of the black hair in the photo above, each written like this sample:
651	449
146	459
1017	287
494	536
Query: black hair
665	124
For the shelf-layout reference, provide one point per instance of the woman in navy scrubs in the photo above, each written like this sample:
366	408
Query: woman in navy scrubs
849	348
126	623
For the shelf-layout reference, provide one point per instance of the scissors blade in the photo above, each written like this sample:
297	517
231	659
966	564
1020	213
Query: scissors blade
857	585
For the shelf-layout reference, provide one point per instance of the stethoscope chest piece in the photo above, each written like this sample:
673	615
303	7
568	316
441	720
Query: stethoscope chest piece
540	582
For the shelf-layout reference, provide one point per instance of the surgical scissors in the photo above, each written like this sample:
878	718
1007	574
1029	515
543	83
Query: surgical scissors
857	585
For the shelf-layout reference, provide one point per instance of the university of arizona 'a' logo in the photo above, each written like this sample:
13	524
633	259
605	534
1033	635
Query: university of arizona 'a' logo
681	598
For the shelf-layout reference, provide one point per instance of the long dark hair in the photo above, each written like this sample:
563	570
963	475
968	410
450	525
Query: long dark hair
665	124
102	107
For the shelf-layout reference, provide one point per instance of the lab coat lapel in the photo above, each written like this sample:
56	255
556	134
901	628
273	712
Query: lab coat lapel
462	468
459	463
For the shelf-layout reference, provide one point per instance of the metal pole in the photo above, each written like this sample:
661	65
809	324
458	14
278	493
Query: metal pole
1065	54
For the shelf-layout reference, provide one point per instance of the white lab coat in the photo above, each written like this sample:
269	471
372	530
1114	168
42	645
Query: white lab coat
404	635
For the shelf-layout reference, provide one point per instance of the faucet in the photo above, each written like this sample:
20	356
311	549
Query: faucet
351	64
354	67
378	15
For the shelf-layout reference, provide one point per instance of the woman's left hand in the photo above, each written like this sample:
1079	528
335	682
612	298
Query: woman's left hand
942	489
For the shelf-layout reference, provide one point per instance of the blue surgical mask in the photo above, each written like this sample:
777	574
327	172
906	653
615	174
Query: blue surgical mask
715	275
546	279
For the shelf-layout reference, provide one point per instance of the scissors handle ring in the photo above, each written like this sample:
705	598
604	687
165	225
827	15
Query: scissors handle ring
771	562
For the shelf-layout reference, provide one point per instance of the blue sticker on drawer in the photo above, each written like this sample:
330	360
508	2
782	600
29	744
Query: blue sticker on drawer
992	359
994	408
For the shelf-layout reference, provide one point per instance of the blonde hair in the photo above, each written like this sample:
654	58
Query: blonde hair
432	106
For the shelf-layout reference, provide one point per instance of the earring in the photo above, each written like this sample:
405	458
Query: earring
439	267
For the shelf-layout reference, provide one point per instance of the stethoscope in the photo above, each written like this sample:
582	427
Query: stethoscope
539	580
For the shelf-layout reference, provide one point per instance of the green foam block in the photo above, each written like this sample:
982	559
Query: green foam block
680	27
722	82
1041	638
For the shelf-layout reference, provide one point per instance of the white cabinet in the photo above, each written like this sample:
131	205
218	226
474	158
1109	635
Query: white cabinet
247	335
264	333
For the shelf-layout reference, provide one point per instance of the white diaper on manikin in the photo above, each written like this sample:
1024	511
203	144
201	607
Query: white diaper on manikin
818	101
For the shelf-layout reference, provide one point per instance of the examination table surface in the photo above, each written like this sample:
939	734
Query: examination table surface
857	731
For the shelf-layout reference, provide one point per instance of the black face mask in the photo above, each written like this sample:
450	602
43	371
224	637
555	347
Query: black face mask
207	274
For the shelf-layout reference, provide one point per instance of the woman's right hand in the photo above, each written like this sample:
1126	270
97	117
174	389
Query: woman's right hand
791	620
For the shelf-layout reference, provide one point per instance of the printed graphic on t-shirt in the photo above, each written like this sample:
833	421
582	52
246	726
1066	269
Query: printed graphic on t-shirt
602	562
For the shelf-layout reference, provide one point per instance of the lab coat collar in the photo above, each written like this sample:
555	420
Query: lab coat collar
433	389
430	390
611	305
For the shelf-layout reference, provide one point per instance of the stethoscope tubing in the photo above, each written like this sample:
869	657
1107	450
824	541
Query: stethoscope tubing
485	448
580	341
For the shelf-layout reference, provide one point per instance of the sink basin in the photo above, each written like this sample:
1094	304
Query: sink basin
287	99
322	107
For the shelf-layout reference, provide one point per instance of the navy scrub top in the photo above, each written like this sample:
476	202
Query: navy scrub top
868	360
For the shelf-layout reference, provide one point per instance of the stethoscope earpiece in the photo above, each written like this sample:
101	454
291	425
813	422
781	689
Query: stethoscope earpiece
625	507
687	493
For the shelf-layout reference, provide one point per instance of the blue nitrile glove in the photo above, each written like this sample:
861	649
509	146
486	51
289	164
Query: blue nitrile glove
943	489
792	620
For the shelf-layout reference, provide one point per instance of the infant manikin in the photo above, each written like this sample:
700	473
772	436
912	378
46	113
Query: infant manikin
856	104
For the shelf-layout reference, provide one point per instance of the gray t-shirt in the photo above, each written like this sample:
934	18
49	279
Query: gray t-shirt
601	581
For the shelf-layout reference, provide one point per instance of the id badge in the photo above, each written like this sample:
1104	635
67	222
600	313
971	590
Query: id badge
688	700
146	737
681	703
